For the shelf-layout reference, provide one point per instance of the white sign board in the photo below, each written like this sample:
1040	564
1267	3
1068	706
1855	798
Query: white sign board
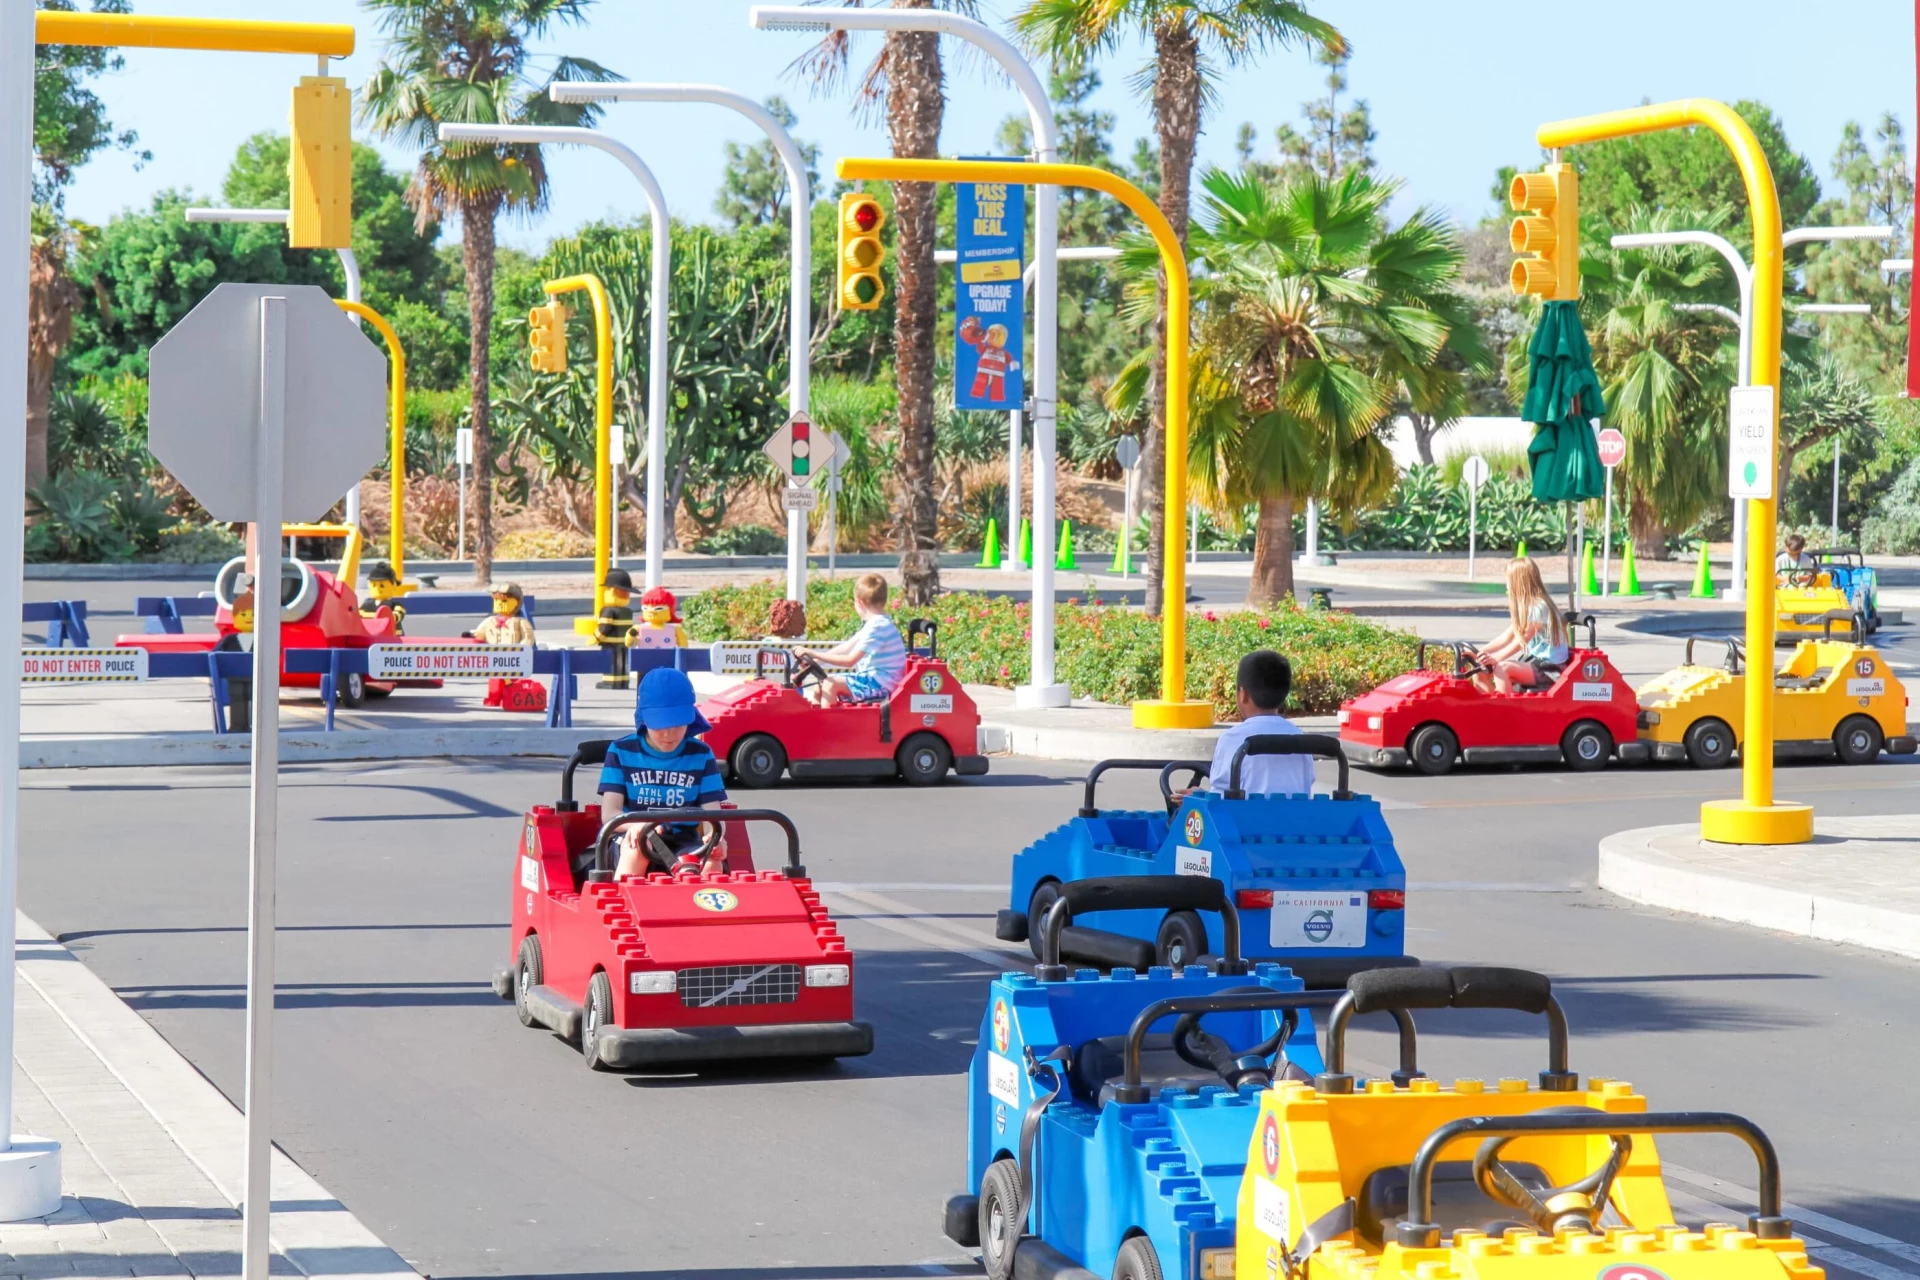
203	414
736	657
1751	421
1474	470
792	499
463	446
74	666
1613	448
449	662
1126	452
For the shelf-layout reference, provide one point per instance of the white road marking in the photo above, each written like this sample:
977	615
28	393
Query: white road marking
1801	1215
898	917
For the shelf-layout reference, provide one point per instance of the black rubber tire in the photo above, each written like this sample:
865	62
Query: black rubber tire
528	973
1182	940
923	759
1003	1219
379	691
1137	1260
1586	746
353	689
1709	743
596	1013
758	761
1045	894
1858	740
1432	749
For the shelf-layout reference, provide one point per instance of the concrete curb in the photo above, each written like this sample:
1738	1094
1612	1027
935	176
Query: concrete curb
303	747
1632	867
319	1236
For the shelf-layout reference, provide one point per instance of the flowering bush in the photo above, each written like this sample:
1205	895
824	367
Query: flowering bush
1107	652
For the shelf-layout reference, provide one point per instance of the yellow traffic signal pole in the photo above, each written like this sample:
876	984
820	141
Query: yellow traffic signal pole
602	424
1172	709
396	435
1755	818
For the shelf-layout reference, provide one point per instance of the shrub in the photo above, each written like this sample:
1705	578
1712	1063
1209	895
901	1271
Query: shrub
543	544
196	544
742	540
1108	652
1429	513
1894	526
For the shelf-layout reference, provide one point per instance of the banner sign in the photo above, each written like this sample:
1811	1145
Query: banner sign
989	303
735	657
72	666
449	661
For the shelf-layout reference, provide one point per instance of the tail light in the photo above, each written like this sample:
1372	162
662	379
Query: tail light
1387	899
1253	899
1345	715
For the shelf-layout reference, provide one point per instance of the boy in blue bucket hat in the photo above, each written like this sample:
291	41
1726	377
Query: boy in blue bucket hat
663	766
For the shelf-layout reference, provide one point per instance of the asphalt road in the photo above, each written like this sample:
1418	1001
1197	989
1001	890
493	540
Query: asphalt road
479	1148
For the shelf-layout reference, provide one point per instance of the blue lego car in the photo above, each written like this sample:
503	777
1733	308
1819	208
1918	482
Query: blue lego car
1110	1115
1316	878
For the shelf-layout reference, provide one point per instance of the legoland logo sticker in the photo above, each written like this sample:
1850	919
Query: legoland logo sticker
1196	827
930	682
1629	1272
1270	1145
714	900
1002	1026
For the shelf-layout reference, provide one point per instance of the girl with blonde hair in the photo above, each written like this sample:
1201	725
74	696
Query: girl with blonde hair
1533	648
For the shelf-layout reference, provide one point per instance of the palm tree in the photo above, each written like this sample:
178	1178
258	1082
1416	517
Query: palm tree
467	61
1188	38
908	77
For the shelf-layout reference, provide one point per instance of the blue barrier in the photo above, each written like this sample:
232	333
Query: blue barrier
66	621
476	603
164	614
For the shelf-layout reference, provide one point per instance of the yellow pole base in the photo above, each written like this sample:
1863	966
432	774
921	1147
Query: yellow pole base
1160	714
1737	822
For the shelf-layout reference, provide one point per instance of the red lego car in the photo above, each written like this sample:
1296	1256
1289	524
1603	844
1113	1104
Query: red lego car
667	969
765	727
1432	719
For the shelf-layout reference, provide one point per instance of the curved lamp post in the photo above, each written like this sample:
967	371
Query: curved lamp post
574	135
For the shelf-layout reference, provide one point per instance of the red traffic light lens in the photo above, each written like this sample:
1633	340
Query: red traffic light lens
865	216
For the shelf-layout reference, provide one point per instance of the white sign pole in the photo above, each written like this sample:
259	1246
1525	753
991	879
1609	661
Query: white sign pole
258	1206
1606	540
463	458
1126	529
1473	524
1010	541
29	1168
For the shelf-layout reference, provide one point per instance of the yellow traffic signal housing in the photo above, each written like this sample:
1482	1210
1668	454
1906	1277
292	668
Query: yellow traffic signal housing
547	336
861	253
1548	231
320	164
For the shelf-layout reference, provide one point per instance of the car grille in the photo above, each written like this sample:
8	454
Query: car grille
731	984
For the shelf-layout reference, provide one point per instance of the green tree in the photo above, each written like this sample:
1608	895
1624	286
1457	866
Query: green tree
469	61
1823	402
1334	140
754	191
1188	39
1876	190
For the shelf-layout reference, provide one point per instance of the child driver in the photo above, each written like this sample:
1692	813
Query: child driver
663	766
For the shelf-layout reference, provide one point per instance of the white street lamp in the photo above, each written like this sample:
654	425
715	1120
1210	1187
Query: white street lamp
1836	309
1743	276
1016	419
349	267
800	318
573	135
1043	691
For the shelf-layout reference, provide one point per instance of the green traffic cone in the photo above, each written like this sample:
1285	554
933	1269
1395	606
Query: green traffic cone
1064	558
1703	577
1520	553
1119	555
1026	543
1589	577
990	549
1629	575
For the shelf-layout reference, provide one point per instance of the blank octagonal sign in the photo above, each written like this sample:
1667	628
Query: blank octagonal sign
203	387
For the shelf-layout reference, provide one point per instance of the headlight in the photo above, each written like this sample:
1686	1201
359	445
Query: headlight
660	982
829	975
1373	722
1216	1264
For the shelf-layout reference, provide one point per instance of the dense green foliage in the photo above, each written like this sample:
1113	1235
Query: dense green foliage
1426	513
1106	652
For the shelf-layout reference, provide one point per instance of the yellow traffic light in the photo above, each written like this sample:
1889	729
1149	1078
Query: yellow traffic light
547	337
320	165
861	253
1549	231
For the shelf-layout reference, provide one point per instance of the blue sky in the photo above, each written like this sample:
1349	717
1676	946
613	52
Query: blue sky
1450	101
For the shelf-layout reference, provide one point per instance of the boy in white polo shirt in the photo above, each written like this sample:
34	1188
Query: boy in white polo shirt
1263	682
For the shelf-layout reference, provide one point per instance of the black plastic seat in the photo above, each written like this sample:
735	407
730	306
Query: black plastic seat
1458	1203
1099	1069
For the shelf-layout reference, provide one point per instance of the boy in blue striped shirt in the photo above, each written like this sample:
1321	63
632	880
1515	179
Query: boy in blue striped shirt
663	766
876	652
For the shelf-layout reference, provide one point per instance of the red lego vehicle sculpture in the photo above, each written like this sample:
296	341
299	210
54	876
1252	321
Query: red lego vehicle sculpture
764	727
669	969
1433	719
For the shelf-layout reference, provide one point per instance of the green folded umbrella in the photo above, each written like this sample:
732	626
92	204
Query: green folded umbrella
1563	396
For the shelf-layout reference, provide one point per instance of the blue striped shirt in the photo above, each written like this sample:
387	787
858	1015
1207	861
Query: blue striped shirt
883	653
650	779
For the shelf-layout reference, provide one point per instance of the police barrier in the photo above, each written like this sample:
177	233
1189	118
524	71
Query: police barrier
66	621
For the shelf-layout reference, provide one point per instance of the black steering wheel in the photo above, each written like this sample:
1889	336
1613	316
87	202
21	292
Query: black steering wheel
1194	771
1576	1206
711	834
1802	577
803	670
1209	1052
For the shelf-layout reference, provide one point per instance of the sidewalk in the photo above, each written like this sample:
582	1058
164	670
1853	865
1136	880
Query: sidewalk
1857	882
1093	731
150	1150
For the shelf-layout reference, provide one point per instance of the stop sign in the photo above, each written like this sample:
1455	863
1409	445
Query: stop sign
1613	448
203	411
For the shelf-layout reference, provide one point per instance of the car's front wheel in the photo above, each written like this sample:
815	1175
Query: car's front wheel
1709	743
1137	1260
1003	1218
1181	940
353	689
1433	749
597	1014
528	973
1587	746
759	761
1045	894
924	759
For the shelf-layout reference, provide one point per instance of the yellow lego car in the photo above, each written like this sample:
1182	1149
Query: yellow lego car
1475	1181
1839	585
1832	698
